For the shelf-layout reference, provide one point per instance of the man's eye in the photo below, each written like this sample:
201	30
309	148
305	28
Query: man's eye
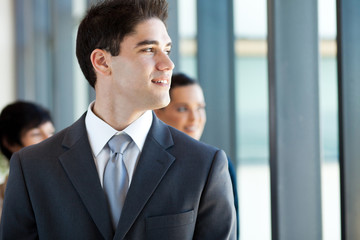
168	52
148	50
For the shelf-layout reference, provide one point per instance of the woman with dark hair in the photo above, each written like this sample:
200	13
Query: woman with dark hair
22	124
186	112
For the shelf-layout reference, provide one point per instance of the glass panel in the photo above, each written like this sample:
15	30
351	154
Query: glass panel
187	37
329	122
252	112
81	98
7	81
7	47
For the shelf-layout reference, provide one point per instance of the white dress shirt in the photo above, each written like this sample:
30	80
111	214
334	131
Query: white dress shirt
99	133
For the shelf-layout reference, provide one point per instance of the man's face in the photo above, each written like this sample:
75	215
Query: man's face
142	71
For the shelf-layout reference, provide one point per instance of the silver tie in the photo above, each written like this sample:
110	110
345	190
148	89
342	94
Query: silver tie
116	179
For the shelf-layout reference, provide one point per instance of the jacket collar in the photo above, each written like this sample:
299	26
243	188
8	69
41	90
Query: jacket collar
79	165
153	164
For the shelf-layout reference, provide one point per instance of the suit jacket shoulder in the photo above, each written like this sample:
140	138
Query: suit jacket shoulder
54	188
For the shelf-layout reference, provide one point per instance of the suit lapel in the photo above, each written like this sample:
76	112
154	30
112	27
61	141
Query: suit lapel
79	165
153	164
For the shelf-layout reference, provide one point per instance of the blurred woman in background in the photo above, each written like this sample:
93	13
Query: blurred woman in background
22	124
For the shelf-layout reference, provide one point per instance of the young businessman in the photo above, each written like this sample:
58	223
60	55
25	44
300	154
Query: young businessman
172	187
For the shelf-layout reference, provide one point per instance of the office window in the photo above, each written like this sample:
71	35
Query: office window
330	179
81	85
187	38
251	79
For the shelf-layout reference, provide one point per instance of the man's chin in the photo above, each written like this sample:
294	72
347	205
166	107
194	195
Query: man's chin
163	104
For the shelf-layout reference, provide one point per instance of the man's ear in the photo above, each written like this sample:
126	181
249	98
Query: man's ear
100	61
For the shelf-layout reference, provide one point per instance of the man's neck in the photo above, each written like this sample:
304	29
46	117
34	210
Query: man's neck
117	117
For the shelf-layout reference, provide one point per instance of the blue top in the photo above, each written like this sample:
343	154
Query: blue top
236	201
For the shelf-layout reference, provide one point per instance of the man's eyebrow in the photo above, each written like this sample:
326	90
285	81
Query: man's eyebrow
150	42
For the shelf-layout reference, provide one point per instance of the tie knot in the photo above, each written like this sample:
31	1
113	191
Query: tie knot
119	142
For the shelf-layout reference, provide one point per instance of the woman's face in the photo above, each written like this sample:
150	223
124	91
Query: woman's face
186	111
37	134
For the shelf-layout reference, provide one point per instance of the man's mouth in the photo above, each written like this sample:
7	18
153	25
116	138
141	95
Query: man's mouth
162	81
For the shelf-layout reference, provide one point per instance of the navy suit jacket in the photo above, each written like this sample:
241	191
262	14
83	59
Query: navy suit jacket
181	189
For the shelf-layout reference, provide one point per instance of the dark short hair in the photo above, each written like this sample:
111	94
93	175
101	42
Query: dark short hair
107	23
181	80
18	117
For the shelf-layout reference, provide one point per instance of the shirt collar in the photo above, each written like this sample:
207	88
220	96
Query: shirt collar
99	132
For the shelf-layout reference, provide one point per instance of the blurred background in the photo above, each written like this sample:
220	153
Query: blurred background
250	57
